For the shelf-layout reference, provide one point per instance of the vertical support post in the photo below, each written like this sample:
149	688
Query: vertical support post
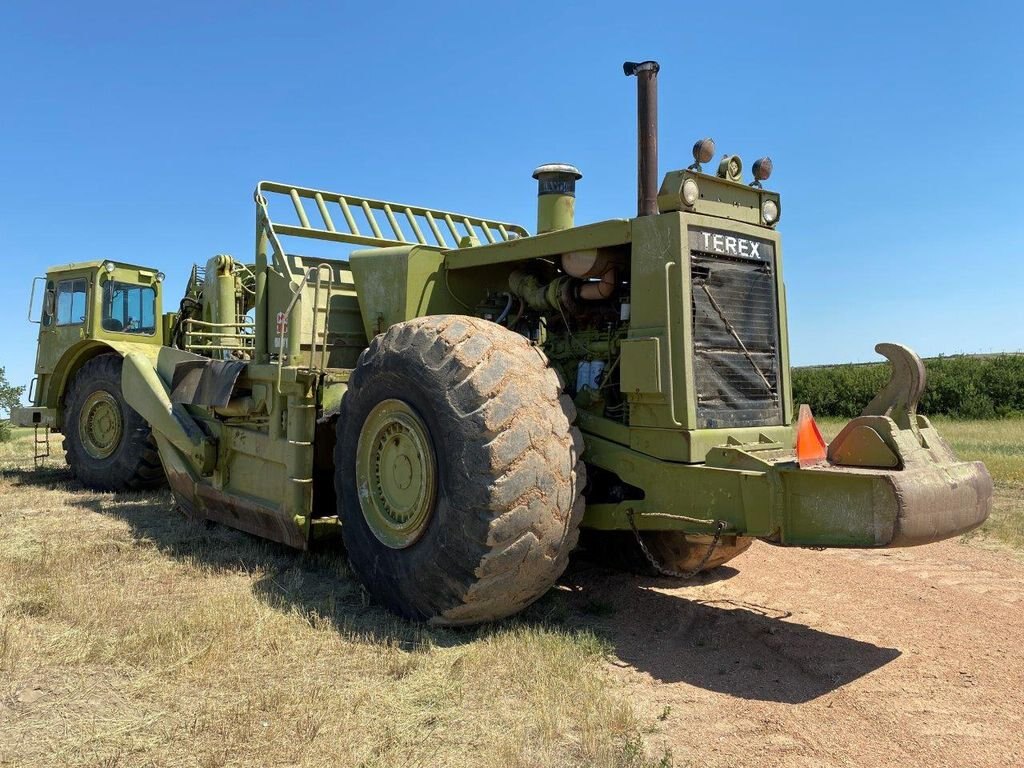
299	431
262	243
646	73
293	338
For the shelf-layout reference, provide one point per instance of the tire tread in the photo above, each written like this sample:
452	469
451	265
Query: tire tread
523	501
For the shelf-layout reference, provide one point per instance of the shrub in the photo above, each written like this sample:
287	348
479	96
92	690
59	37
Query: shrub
966	387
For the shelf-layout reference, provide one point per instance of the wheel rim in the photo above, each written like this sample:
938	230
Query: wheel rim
396	473
100	424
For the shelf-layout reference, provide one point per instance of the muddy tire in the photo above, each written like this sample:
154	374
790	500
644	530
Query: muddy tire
108	446
457	471
674	551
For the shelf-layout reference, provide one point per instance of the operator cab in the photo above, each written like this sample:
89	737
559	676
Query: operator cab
87	308
127	303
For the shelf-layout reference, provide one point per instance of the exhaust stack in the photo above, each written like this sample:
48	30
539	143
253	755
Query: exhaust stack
646	73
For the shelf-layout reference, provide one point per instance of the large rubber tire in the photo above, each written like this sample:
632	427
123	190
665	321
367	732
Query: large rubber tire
133	462
673	550
507	498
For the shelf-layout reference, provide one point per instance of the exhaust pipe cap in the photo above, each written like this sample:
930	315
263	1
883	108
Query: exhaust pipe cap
630	68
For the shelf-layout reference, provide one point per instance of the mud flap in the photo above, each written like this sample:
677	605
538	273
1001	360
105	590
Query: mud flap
205	382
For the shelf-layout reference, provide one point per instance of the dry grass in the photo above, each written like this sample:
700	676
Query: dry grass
17	452
129	637
998	443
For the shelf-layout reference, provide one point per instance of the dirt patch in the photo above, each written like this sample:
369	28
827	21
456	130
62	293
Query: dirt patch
797	657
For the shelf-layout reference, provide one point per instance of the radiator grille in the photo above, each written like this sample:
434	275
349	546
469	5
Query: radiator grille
735	331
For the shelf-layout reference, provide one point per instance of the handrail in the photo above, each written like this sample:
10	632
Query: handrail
244	337
311	272
241	324
417	219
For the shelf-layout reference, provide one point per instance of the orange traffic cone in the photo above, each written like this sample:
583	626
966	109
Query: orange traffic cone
810	445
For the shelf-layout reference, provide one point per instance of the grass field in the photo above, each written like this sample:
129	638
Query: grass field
129	637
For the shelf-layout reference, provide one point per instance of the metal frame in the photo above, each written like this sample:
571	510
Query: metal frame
244	334
32	298
349	205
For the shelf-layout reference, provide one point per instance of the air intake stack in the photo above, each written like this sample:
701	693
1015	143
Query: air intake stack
556	196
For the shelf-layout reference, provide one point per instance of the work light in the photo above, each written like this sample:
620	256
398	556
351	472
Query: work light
691	192
703	151
762	169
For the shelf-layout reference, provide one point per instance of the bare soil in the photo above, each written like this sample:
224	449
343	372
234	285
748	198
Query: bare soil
795	657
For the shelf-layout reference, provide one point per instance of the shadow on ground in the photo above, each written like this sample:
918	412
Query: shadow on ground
728	646
739	649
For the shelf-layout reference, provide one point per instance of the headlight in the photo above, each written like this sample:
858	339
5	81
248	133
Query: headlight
769	212
691	192
109	266
160	277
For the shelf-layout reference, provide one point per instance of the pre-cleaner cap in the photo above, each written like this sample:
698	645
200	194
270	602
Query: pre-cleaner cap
557	179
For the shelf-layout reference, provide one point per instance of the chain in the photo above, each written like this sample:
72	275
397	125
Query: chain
720	526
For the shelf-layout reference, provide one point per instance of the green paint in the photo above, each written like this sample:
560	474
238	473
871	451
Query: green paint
100	424
397	474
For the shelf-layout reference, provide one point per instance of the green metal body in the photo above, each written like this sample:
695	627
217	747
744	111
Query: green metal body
252	446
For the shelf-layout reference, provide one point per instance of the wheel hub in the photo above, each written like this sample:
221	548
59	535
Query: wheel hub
100	424
396	472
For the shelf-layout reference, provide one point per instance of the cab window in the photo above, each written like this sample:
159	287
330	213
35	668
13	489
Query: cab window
129	308
71	301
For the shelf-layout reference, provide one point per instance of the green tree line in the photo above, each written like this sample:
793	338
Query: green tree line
964	387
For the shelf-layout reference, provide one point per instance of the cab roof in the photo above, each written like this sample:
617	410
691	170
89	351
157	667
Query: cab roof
96	264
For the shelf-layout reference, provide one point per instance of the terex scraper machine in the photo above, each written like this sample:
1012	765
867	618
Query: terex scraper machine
464	398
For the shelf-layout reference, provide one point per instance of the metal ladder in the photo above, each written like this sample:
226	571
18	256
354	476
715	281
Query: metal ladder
41	445
323	291
321	308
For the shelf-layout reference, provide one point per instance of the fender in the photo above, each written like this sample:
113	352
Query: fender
53	386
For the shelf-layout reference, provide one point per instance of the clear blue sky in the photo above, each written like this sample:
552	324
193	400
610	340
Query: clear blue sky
137	131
